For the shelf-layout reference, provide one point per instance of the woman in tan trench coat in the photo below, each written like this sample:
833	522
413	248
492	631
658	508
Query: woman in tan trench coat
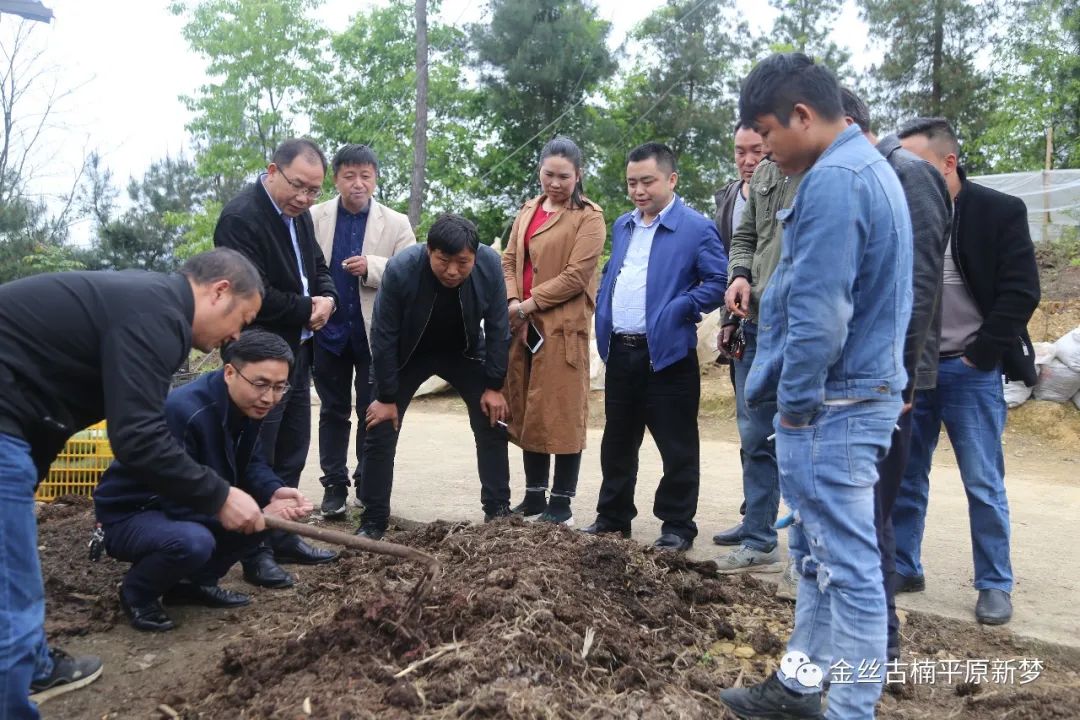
550	265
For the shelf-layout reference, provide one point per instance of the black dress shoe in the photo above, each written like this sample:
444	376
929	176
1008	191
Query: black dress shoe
150	617
300	553
994	607
907	584
671	541
211	596
261	570
603	527
370	532
731	536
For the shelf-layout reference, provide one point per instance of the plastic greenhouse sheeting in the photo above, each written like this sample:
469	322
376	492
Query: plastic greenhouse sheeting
1052	198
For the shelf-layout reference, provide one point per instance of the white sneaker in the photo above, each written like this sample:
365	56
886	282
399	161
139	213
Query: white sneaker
745	559
788	587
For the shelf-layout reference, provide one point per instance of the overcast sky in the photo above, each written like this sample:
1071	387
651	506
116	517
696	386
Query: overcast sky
129	64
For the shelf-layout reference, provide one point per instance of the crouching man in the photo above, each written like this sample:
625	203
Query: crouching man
176	552
427	321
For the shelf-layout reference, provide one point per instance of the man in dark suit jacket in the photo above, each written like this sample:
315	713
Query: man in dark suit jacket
991	288
269	222
177	548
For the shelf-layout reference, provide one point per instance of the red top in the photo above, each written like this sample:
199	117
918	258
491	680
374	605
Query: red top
539	218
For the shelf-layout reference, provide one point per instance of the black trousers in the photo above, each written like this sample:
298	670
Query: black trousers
380	446
286	431
890	475
285	437
336	378
666	402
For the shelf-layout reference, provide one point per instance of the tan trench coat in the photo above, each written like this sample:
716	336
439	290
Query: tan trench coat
548	392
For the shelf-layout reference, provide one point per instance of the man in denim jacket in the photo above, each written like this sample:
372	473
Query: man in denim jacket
833	322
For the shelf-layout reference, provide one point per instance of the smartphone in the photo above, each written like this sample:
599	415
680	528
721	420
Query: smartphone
533	339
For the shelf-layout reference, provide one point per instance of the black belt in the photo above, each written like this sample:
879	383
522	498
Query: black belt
951	355
628	340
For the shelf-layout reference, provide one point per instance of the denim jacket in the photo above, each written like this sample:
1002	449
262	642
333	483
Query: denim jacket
835	313
686	278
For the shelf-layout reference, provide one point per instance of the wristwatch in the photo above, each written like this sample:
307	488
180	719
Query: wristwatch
522	314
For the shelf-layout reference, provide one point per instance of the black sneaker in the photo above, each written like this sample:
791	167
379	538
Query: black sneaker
68	673
534	504
370	532
770	700
334	501
498	512
909	584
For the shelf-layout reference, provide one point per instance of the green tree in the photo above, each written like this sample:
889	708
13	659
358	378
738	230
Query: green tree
1037	86
262	57
682	92
369	99
147	235
805	25
539	62
929	64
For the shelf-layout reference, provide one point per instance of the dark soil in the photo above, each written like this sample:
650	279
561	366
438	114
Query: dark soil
527	621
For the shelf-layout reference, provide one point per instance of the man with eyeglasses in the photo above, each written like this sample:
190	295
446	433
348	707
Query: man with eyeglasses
270	223
177	552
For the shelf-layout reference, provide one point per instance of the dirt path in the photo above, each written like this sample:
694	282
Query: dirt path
1043	487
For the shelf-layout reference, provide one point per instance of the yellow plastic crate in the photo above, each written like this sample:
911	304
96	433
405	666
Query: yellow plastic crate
79	466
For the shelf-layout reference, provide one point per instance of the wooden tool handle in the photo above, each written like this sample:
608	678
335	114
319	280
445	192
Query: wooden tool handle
336	537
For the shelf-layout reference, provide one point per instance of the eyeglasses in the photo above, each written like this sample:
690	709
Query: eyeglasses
264	387
311	192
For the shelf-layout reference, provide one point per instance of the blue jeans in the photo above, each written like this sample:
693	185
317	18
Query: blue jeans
970	404
828	470
24	654
761	482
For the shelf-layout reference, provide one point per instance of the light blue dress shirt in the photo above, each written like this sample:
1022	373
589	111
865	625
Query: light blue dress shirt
628	298
290	223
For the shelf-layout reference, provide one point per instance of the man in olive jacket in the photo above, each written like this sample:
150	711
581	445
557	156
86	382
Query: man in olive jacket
755	252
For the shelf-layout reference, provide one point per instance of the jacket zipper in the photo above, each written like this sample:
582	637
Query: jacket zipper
464	330
431	311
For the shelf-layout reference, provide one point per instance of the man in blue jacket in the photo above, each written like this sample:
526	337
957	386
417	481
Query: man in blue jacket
830	349
667	268
179	552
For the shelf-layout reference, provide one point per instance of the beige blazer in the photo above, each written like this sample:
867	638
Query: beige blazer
388	232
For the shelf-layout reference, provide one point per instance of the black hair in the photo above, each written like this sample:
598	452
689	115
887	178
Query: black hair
740	125
665	156
564	147
256	345
934	129
780	81
855	108
451	234
354	155
224	264
287	151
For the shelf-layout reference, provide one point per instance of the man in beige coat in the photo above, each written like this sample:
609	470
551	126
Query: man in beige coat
357	236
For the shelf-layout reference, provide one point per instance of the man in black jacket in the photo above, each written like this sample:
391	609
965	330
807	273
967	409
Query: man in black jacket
930	207
177	551
427	321
269	222
991	288
77	347
749	151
